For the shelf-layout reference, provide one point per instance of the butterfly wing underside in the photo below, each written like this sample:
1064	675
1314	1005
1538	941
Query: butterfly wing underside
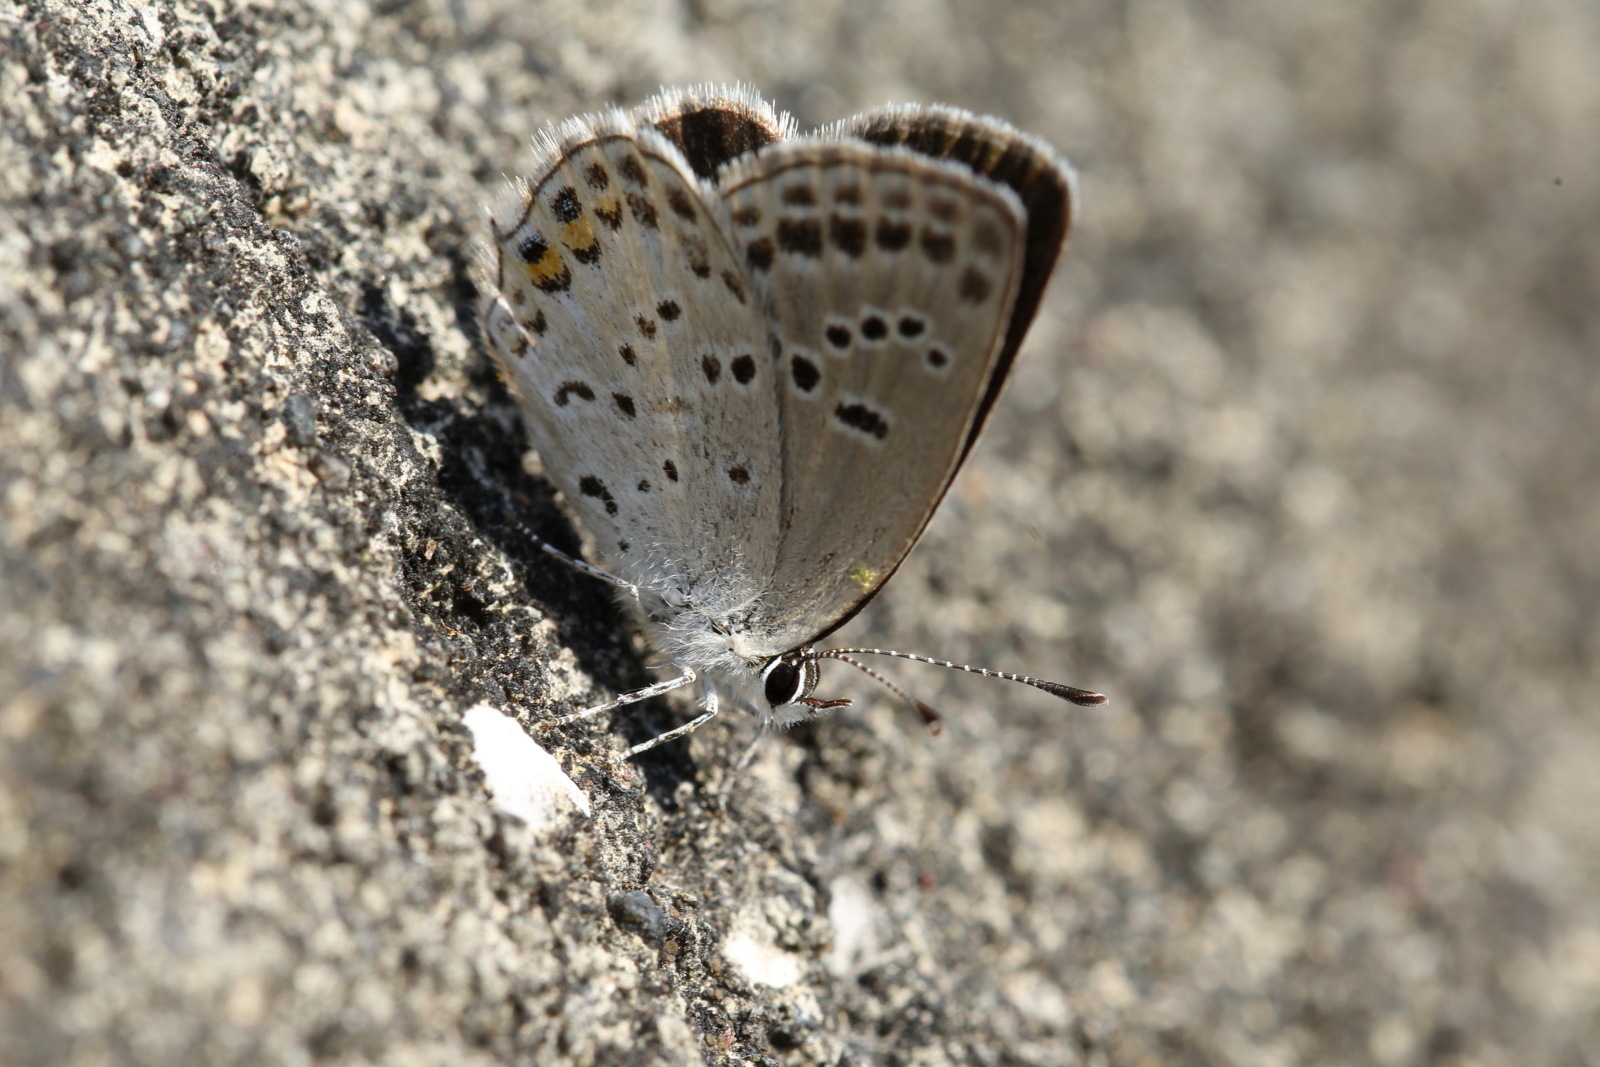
800	434
889	279
625	327
999	152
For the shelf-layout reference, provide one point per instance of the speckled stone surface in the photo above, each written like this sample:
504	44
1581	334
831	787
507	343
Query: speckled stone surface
1300	465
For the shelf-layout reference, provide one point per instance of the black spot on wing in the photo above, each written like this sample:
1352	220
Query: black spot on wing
759	253
892	236
644	212
803	237
564	205
974	286
532	248
805	373
848	234
589	485
554	282
682	205
631	171
567	390
938	247
862	418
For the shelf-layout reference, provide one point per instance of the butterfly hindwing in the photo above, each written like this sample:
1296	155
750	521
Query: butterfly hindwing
889	280
1001	153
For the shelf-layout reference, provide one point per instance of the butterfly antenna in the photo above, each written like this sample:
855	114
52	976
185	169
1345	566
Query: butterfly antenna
1082	697
930	718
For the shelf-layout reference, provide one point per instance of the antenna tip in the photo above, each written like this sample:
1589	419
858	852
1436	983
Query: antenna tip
930	718
1081	697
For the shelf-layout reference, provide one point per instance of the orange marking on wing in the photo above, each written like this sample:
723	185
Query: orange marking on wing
578	235
547	267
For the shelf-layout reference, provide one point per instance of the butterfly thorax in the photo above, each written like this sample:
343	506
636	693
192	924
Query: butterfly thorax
708	629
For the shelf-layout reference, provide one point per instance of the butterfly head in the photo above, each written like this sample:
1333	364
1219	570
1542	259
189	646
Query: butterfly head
787	682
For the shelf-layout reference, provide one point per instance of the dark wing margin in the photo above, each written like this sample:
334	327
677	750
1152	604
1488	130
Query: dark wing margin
889	277
1027	165
712	124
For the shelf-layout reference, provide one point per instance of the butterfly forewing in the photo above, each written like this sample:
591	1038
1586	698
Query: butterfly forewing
888	279
626	327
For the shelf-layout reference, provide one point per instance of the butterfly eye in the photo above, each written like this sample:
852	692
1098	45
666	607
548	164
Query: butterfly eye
785	683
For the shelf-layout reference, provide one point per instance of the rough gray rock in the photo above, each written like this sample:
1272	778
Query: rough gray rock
1299	466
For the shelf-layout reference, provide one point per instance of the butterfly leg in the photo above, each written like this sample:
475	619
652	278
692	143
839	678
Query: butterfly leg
634	697
577	564
586	568
749	753
672	735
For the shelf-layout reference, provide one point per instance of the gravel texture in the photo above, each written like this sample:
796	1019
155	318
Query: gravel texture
1300	466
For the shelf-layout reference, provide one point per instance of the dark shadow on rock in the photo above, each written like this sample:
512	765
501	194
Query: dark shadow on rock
481	473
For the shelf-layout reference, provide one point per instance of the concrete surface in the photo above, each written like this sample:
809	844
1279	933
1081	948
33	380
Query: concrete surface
1300	466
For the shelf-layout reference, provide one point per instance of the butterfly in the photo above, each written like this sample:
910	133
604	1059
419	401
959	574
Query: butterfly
753	360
